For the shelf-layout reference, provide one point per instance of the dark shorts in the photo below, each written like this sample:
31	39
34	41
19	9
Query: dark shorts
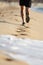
26	3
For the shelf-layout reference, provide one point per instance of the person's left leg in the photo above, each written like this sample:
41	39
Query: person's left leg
22	15
27	15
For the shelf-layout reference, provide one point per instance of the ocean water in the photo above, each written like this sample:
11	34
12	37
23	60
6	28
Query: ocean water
37	9
28	50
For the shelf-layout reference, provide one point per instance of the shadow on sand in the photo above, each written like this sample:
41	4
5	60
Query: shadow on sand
9	22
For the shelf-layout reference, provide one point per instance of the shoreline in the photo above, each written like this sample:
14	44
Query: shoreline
23	50
7	61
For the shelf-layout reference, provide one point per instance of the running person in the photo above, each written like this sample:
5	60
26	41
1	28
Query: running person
27	4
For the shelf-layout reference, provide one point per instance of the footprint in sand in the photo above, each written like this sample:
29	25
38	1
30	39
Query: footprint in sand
21	31
24	34
14	34
8	59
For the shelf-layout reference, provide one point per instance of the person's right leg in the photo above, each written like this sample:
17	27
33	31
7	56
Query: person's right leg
27	5
27	15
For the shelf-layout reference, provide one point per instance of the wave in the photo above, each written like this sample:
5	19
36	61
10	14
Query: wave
28	50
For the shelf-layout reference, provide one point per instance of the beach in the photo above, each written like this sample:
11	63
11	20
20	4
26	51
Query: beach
5	60
10	24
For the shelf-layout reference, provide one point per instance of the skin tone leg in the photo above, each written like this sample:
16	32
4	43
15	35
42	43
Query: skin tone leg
22	13
27	15
27	11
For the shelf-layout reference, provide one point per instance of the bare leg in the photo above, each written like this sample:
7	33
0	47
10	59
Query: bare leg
22	14
27	15
27	11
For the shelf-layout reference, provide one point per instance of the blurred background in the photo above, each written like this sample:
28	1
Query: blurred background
35	1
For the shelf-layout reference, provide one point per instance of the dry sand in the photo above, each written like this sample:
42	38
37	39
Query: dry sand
10	23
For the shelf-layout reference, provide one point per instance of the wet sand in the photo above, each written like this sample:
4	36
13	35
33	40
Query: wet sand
10	23
5	60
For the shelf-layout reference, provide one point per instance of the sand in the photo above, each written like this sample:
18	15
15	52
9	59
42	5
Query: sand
10	23
5	60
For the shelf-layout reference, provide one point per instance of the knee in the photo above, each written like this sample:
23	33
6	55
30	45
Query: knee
22	12
27	10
